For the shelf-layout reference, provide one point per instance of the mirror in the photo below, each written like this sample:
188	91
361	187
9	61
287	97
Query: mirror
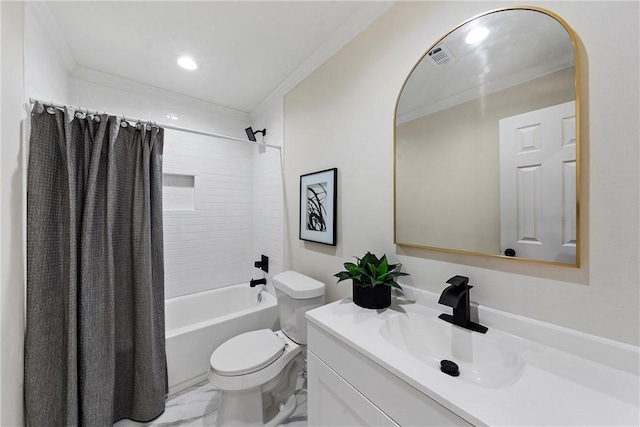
487	141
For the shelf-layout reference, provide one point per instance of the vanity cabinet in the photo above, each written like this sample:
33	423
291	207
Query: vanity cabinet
382	367
345	388
335	402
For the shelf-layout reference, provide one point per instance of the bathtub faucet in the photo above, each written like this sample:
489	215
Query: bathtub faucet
255	282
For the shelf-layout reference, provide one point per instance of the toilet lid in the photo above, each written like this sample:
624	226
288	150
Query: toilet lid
247	353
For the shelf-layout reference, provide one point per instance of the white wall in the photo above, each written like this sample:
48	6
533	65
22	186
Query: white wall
268	210
105	92
210	246
342	116
47	60
11	214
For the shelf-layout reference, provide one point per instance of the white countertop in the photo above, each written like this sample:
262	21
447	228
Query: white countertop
550	387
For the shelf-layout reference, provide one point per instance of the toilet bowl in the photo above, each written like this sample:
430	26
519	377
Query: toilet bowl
256	372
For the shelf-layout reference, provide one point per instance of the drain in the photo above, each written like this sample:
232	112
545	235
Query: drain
449	368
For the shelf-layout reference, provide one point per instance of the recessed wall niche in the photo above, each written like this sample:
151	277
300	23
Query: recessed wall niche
178	192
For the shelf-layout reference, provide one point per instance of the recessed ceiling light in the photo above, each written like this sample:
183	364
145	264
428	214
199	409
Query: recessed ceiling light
172	117
187	63
477	35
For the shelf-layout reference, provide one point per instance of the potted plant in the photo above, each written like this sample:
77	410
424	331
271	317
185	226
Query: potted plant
373	279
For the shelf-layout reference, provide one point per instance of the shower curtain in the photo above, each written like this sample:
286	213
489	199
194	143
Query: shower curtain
95	341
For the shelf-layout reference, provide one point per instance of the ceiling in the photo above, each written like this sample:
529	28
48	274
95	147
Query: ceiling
244	49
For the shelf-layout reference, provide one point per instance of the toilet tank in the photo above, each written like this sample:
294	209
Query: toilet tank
296	295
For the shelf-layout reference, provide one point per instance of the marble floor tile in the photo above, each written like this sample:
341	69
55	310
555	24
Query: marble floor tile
197	406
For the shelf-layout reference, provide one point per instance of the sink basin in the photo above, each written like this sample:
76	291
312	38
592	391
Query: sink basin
481	359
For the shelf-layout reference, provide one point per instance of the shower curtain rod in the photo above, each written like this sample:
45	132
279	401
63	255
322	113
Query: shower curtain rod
129	119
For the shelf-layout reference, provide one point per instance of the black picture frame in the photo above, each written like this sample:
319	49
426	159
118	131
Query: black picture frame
318	206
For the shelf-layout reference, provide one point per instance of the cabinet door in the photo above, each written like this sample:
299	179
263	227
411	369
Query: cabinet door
334	402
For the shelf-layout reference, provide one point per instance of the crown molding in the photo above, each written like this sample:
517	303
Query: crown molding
364	16
117	82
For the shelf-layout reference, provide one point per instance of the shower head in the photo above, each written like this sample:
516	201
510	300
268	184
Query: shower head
251	134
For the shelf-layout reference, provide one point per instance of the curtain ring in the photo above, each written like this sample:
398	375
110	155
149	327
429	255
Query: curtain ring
123	122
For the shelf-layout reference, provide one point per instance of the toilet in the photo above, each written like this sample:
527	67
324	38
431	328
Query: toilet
256	372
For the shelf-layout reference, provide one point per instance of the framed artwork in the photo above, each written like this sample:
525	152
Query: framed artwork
318	197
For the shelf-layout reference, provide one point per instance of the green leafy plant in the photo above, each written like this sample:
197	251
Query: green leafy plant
369	271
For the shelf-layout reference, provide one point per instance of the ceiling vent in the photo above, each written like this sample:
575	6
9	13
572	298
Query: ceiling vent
440	55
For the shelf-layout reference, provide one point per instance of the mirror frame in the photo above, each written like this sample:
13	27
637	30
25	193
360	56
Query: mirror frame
574	42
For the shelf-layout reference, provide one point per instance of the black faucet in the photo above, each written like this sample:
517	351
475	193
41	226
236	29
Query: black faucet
457	296
255	282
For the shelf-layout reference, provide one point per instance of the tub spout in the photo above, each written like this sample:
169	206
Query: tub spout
255	282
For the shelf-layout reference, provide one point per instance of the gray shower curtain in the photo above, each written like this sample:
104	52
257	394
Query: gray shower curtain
94	345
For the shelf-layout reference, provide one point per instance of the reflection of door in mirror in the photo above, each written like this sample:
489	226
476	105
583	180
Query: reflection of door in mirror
538	184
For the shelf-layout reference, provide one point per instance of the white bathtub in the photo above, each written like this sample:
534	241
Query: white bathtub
197	324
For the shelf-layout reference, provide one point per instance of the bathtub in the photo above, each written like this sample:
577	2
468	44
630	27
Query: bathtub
197	324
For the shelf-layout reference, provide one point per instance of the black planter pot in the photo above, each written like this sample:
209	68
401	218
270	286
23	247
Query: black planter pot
372	297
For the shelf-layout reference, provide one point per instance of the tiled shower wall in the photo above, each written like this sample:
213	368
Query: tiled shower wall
209	245
223	199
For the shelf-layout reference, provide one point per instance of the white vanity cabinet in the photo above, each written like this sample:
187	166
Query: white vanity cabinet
335	402
382	367
345	388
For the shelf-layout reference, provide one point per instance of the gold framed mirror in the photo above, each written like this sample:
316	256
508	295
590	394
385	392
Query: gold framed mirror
487	141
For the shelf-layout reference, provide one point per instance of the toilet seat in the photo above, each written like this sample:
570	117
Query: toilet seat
247	353
267	372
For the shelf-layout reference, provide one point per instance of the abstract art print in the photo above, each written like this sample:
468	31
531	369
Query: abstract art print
318	206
